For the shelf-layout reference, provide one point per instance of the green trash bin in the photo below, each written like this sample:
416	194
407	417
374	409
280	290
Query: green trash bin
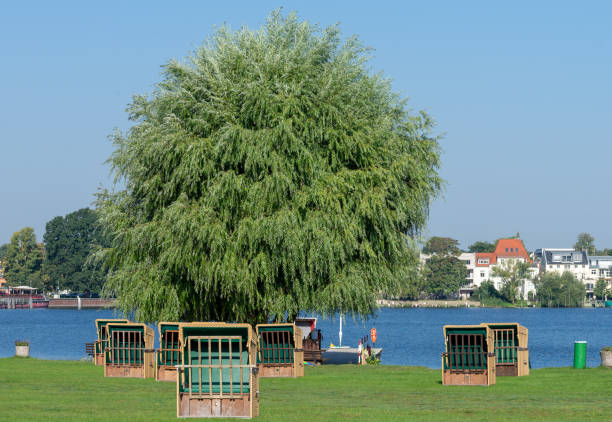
580	349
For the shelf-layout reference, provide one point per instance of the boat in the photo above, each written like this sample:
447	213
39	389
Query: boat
22	297
340	355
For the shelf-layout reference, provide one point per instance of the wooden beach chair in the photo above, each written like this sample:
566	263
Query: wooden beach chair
101	343
130	352
511	351
469	357
280	351
217	376
167	356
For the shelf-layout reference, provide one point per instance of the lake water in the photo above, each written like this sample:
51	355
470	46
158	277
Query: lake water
408	336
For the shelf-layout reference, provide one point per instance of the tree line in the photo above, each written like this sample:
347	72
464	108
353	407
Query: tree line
60	261
443	274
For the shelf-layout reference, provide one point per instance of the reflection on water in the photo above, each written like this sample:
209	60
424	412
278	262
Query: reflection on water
411	336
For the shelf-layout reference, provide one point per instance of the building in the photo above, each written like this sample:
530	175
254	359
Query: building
582	266
480	266
507	253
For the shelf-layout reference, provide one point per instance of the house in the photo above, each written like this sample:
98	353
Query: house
562	260
507	252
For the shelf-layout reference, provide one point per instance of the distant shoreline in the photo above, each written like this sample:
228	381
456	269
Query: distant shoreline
388	303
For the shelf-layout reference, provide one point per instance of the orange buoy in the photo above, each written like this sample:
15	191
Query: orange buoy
373	335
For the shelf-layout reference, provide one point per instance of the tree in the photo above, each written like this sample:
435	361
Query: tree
69	241
3	249
444	275
585	242
23	260
601	289
486	291
513	274
442	245
268	174
482	246
565	290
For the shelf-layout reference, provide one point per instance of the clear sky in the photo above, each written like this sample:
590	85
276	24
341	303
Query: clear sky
521	91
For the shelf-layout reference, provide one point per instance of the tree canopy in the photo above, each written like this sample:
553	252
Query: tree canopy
23	259
482	246
69	241
513	275
444	275
585	242
441	245
601	290
560	290
269	173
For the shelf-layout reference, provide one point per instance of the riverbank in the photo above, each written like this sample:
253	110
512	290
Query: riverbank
33	389
389	303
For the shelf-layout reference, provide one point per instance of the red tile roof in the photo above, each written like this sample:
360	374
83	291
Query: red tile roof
511	248
506	248
484	255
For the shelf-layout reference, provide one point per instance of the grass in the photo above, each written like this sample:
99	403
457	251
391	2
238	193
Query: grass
32	389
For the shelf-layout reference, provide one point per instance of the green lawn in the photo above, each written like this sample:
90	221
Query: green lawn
32	389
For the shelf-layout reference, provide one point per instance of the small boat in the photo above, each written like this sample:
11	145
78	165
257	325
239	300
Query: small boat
340	355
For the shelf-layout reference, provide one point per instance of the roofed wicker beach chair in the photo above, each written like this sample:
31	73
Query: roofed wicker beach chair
217	376
469	357
168	354
130	352
101	343
511	351
280	351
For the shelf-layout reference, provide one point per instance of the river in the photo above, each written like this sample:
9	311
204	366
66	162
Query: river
408	336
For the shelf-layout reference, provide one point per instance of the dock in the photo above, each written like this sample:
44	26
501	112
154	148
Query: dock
81	303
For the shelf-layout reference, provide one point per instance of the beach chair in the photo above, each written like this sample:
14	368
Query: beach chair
130	352
469	357
217	376
167	356
280	351
511	351
101	343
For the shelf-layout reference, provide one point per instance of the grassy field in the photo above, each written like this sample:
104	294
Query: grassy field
32	389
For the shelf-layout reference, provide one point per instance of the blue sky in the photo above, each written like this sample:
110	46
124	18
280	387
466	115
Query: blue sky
521	92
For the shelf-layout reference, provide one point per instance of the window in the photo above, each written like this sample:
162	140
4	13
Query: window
593	272
558	266
467	261
482	274
567	266
602	272
483	261
506	249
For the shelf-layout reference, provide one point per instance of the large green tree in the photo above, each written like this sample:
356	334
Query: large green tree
269	173
482	246
585	242
601	289
23	259
441	245
444	275
3	249
560	290
513	275
69	241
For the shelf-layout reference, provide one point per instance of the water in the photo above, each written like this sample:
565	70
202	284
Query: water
409	336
